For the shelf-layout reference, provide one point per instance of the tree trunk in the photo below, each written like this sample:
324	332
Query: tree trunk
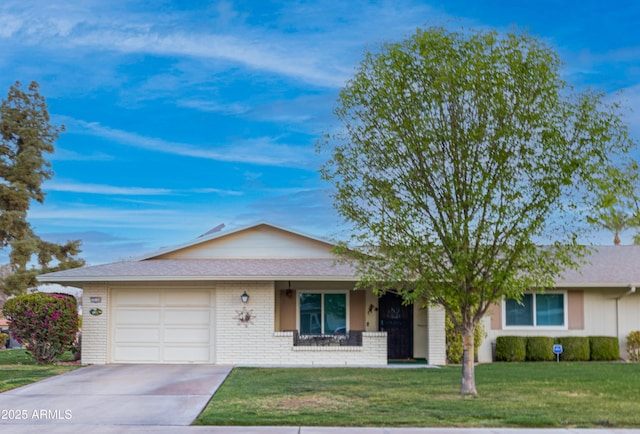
468	366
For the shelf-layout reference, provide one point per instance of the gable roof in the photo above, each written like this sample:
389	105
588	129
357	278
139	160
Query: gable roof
290	255
207	269
258	252
216	237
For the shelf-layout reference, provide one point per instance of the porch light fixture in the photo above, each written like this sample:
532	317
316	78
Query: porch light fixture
244	297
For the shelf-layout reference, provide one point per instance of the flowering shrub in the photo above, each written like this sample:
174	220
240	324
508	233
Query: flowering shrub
4	338
633	346
46	324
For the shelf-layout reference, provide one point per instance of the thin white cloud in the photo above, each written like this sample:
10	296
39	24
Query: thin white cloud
111	190
62	154
214	190
214	107
260	151
306	43
98	216
105	189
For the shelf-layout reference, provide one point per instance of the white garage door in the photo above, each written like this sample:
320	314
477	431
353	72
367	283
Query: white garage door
161	325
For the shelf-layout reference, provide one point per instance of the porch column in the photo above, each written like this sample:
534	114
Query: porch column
436	342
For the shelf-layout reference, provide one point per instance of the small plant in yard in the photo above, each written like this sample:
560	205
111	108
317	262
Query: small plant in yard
4	338
633	346
46	324
454	341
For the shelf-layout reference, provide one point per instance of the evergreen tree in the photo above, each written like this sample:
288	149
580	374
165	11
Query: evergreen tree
26	135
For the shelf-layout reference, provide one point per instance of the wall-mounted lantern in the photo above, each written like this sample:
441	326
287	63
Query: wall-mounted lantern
244	297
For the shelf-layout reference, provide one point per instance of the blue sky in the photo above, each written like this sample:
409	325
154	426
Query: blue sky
181	115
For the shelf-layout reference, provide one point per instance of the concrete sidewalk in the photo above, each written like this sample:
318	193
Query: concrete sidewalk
130	429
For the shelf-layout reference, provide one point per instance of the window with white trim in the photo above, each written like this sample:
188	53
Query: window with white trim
322	313
537	310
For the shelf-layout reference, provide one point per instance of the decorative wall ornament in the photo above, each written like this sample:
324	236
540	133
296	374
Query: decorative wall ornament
245	316
95	311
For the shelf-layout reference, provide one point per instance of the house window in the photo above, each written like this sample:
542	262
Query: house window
537	310
323	313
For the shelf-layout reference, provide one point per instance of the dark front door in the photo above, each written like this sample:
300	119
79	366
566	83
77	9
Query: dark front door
397	320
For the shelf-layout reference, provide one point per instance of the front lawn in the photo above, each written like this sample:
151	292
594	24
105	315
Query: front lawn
510	395
17	368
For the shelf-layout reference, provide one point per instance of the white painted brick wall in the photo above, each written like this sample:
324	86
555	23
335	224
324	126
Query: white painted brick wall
94	327
238	342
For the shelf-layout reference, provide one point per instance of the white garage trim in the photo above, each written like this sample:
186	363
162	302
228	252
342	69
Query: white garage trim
162	325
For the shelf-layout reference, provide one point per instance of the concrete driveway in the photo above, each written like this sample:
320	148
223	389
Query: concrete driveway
162	395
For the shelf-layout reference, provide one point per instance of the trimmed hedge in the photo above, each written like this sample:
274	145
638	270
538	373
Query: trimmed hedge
575	348
540	348
604	348
511	348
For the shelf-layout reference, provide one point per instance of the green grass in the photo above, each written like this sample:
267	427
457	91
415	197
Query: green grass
18	368
510	395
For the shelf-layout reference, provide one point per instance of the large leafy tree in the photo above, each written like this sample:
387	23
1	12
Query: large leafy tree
467	168
26	136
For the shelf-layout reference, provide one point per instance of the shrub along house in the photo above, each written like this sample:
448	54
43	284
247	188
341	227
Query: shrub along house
260	295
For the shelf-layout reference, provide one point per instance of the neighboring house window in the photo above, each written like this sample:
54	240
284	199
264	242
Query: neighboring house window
537	310
323	313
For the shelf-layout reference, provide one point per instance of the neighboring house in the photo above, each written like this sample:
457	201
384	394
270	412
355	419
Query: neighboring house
187	305
599	299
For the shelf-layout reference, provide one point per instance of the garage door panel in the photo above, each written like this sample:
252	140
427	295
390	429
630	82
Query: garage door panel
180	354
138	316
132	335
175	316
127	353
161	325
138	298
187	335
187	298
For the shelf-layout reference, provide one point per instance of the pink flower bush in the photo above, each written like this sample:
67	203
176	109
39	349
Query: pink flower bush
46	324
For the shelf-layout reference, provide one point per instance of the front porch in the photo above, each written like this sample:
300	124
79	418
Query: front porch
331	323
